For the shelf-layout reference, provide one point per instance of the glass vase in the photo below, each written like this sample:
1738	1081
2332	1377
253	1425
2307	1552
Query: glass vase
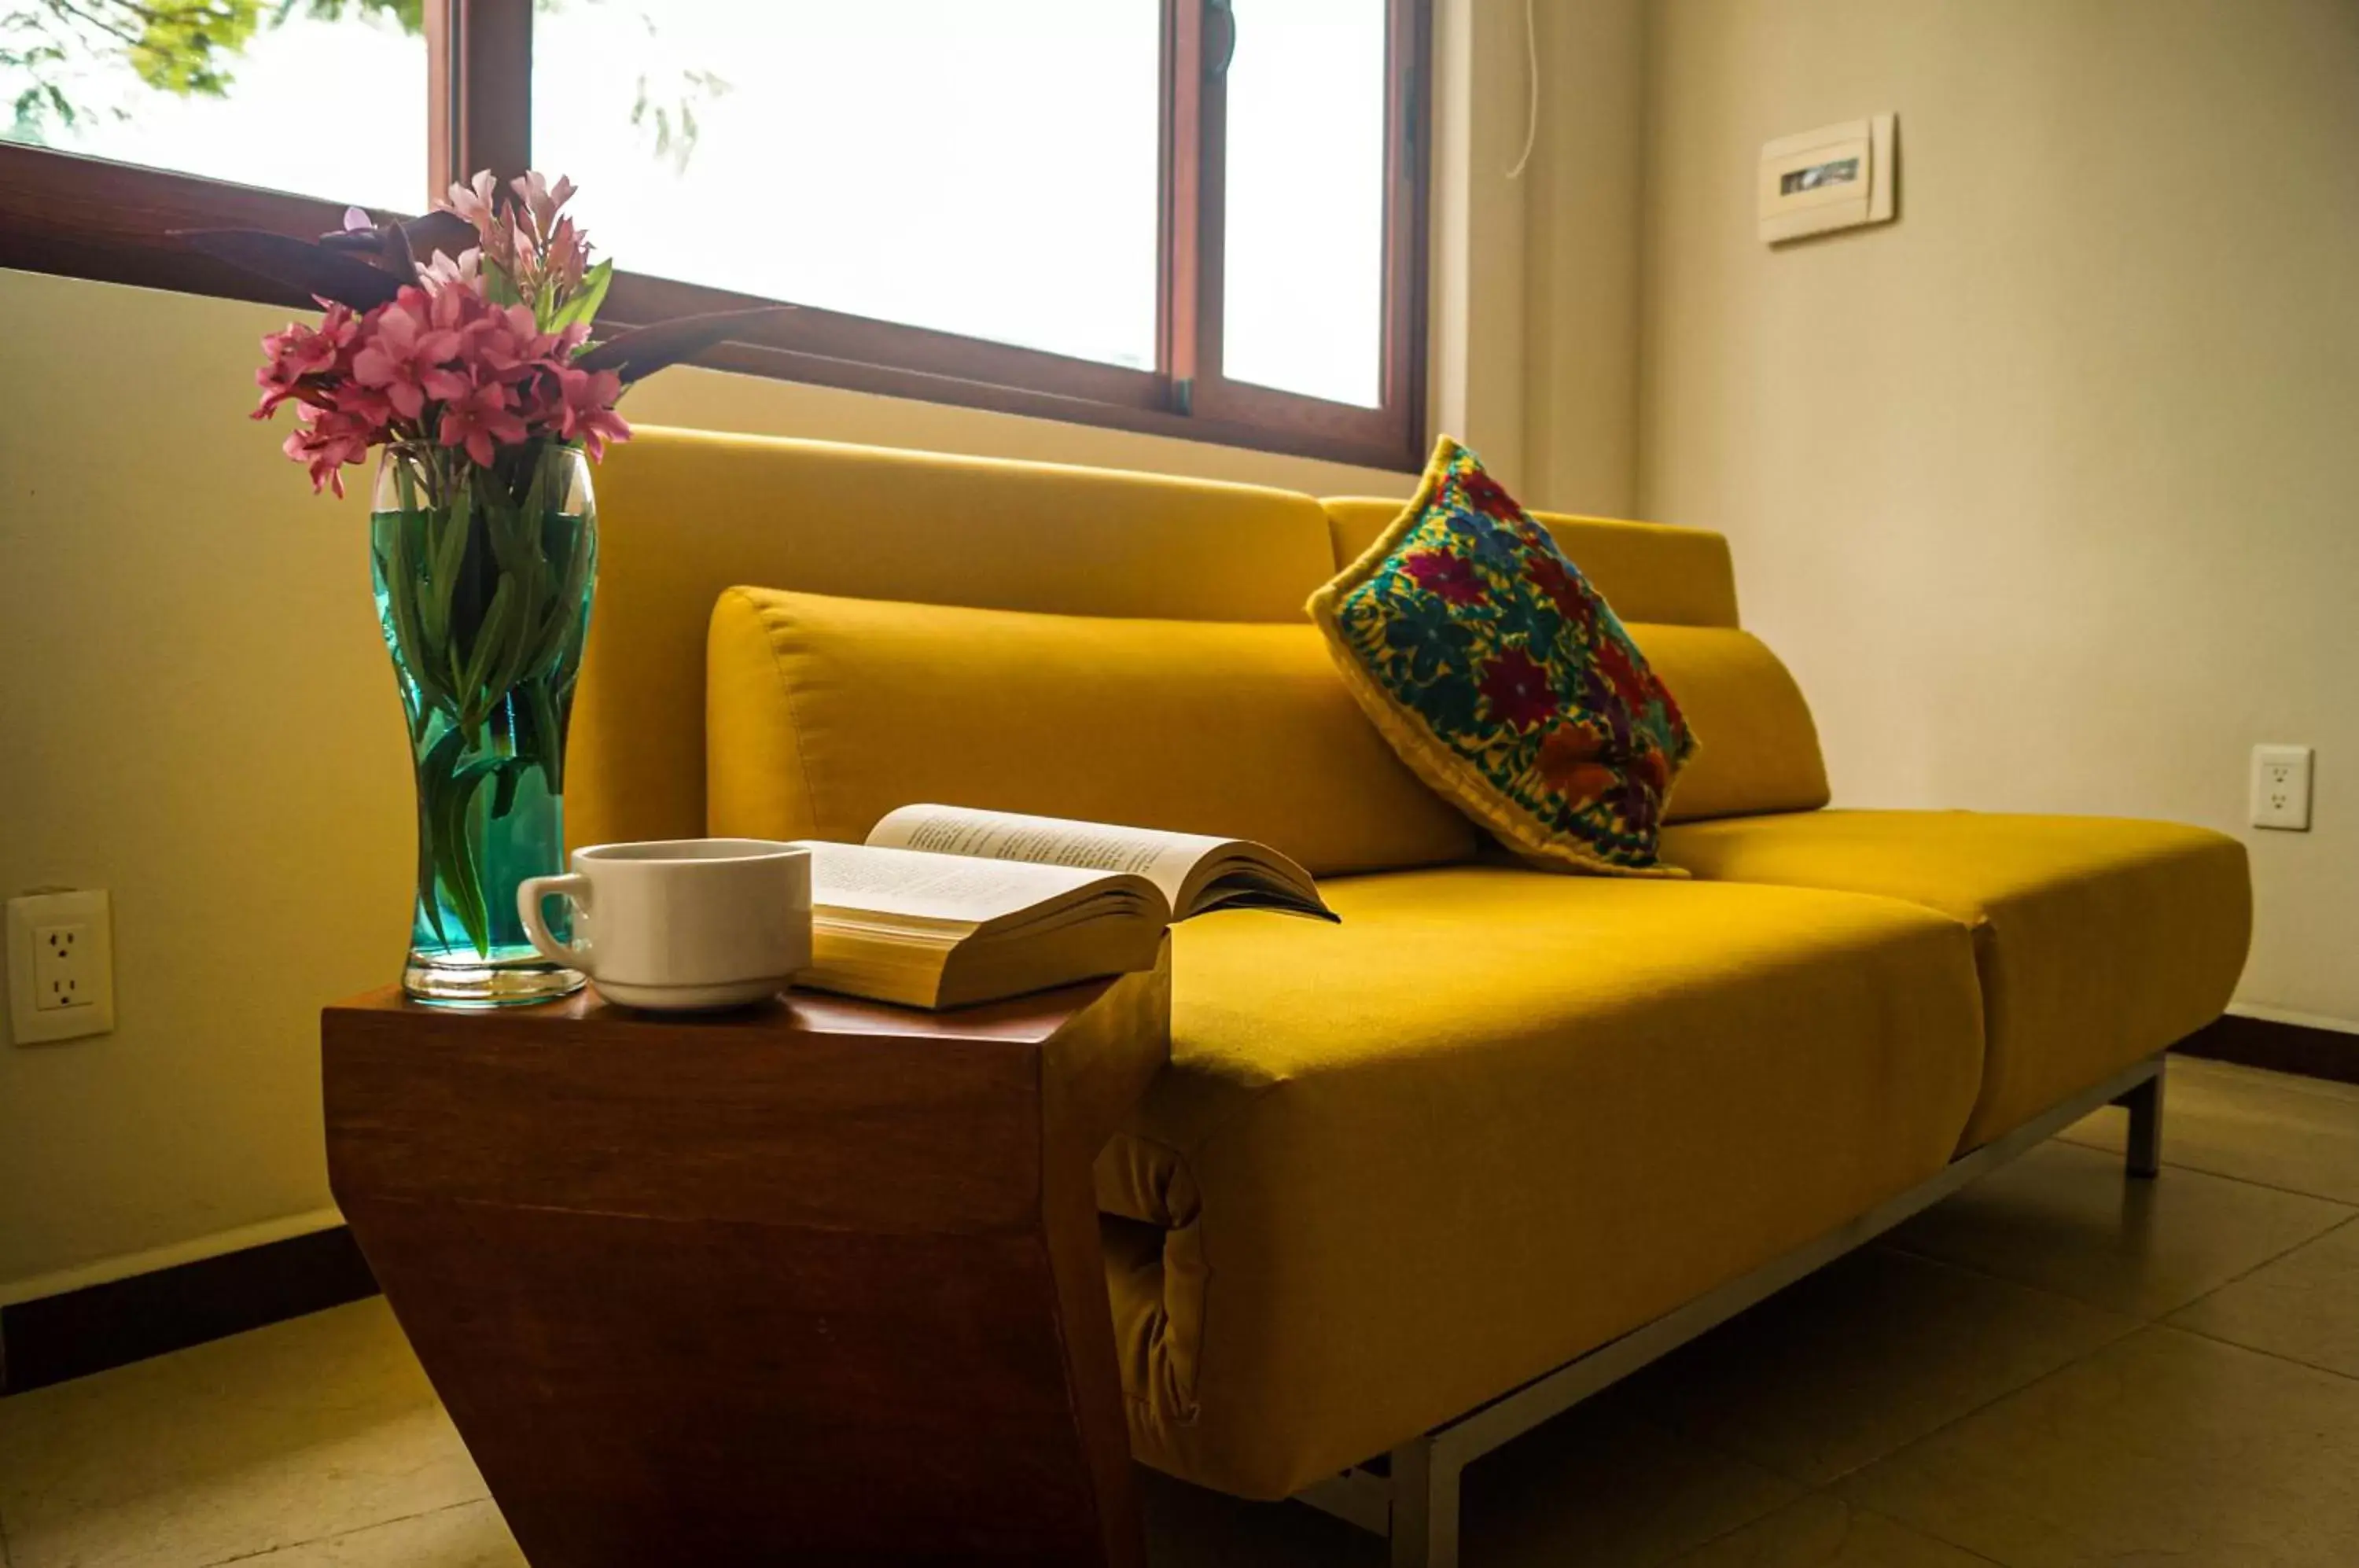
484	575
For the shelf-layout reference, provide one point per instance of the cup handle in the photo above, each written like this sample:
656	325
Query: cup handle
531	893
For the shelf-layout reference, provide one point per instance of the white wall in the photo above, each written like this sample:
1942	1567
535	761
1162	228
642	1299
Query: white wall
2049	491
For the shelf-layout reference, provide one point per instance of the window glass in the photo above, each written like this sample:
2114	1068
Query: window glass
984	168
317	97
1302	296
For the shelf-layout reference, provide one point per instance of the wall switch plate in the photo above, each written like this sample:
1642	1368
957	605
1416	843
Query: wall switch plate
2281	787
1837	176
60	966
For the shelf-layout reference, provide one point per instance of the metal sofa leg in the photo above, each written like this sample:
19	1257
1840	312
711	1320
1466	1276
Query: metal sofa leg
2144	1105
1425	1505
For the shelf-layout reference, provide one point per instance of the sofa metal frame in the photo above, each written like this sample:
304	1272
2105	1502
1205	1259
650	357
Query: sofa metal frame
1414	1499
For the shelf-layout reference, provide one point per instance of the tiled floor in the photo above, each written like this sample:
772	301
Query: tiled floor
2054	1369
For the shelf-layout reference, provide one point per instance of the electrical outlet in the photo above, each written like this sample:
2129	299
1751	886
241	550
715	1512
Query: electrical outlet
60	958
2281	787
60	966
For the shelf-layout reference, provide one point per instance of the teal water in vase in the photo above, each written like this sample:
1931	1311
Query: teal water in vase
484	579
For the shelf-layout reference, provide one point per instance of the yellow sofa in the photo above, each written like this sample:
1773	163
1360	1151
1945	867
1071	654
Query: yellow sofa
1498	1118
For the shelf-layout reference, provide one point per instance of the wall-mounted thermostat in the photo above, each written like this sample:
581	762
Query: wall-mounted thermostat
1837	177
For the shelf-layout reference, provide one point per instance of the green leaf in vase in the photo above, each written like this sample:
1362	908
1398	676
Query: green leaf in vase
409	637
475	699
435	775
583	306
457	862
504	778
448	554
548	736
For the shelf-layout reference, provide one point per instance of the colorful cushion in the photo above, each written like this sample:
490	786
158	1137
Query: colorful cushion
1504	679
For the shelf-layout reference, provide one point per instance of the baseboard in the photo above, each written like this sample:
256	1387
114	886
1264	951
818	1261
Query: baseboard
2277	1044
53	1338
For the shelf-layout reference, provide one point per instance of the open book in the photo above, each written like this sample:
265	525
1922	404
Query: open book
946	906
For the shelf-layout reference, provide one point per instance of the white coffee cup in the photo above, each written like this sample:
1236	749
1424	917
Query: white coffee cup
680	925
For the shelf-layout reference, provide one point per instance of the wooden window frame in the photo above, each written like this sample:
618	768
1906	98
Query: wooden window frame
64	212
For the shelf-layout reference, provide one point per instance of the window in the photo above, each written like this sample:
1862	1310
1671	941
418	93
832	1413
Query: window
989	170
1306	167
229	91
1200	218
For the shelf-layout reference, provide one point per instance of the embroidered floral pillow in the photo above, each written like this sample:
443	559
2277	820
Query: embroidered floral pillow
1503	678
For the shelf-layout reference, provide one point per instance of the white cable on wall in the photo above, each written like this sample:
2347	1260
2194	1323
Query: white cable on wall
1532	107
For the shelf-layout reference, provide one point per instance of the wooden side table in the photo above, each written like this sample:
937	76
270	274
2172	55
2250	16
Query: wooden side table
819	1283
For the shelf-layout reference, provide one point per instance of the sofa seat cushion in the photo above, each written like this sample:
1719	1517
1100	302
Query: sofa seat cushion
2099	940
1494	1119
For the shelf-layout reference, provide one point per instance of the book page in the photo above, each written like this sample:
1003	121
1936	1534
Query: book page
1165	859
933	887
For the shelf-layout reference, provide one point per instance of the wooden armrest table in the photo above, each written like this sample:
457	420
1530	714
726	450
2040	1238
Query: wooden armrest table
816	1283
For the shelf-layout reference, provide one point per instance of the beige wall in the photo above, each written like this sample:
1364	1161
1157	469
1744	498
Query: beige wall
1580	276
2049	491
2045	490
198	717
1475	291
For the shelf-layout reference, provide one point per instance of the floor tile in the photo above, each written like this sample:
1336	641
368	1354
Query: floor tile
2272	1127
2163	1448
1864	1358
2304	1306
1597	1489
1592	1489
2064	1218
470	1535
1188	1527
288	1434
1824	1531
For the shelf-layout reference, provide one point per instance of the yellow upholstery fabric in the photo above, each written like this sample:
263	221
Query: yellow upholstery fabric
1760	750
2099	941
1498	1117
824	714
1495	1119
1647	571
685	514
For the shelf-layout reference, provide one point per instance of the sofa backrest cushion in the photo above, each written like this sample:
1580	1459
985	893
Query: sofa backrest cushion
685	514
824	712
1757	748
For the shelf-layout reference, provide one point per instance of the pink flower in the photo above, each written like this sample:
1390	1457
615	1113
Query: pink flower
481	422
541	198
441	272
568	258
326	441
506	342
537	251
478	203
405	354
586	413
473	200
301	353
368	405
440	361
